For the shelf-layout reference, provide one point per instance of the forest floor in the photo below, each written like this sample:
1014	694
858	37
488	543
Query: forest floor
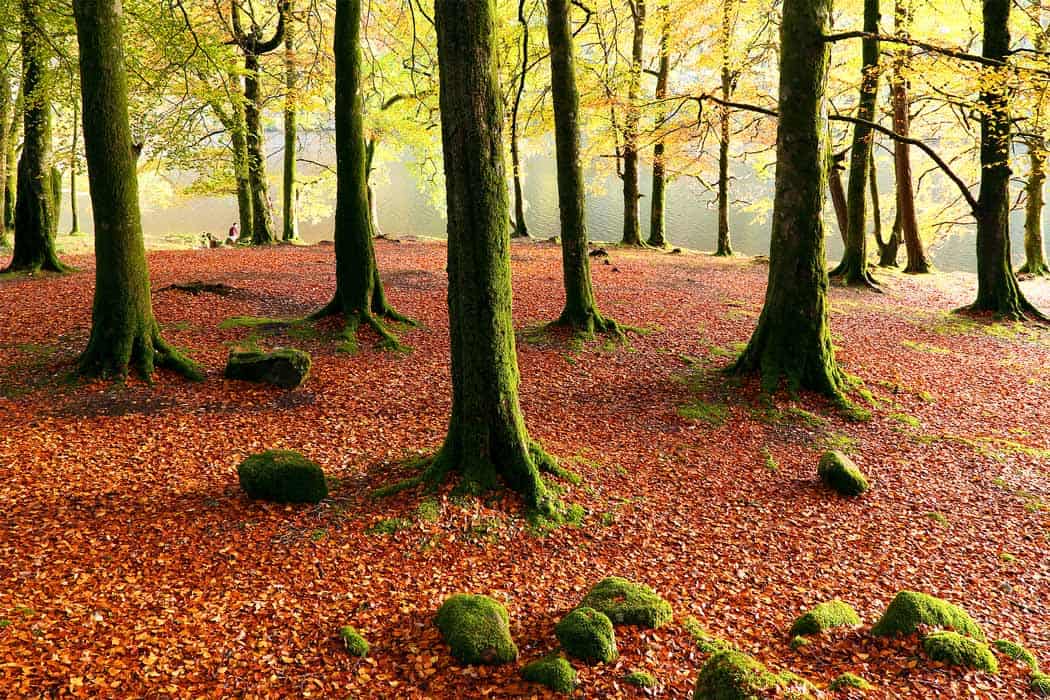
133	566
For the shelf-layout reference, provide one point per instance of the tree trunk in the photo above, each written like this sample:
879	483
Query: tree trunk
918	262
853	269
123	330
36	220
887	248
631	227
6	108
521	228
291	107
359	296
997	289
580	311
262	216
74	228
487	440
657	233
792	341
838	192
1034	251
373	209
239	143
725	246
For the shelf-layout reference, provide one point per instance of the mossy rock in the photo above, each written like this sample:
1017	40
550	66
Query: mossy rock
552	672
627	603
957	650
640	679
840	473
356	645
1017	653
833	613
849	680
282	476
910	610
1040	685
733	675
587	634
477	628
287	368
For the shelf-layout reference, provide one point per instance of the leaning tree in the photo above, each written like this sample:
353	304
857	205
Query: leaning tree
792	341
487	440
123	330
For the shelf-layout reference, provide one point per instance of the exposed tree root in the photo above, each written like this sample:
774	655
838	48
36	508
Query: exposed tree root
112	357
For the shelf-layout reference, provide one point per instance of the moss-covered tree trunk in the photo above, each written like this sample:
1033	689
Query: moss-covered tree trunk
918	262
657	228
792	341
74	209
487	440
13	128
853	269
632	233
725	39
36	220
521	228
123	331
838	192
359	296
997	288
6	107
235	125
580	311
1034	250
290	192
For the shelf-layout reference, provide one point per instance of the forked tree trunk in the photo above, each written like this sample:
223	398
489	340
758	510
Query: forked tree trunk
632	234
853	269
792	341
997	288
359	296
887	248
123	330
1034	250
487	440
581	310
36	219
657	234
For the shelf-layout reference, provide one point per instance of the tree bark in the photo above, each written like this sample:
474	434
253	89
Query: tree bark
74	228
887	248
918	261
725	246
239	142
580	311
487	440
997	288
1034	251
521	228
36	219
631	227
124	332
291	108
853	269
359	295
792	341
838	192
6	107
657	233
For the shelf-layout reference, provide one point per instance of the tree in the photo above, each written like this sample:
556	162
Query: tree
631	228
521	228
580	311
253	46
36	221
6	107
1036	143
74	227
792	341
729	15
997	288
853	269
657	237
233	121
291	108
123	330
487	439
359	296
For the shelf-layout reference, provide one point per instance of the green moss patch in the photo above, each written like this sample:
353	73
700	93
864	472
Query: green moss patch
833	613
389	526
1017	653
840	473
849	680
640	679
1040	685
732	675
714	414
477	628
356	645
704	640
910	610
627	603
552	672
957	650
587	634
282	476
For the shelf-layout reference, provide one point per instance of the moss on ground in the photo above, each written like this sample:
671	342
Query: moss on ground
732	675
640	679
840	473
909	610
1017	653
957	650
389	526
282	476
849	680
714	414
1040	684
706	642
938	518
797	642
552	672
627	603
356	645
587	634
477	628
833	613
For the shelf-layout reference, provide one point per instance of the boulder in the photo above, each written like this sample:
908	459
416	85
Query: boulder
477	628
282	476
283	367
